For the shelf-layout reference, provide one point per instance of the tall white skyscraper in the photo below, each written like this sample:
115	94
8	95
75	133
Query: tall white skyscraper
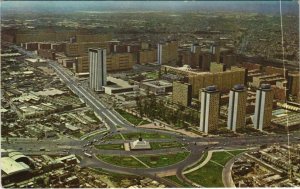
159	53
263	107
237	108
97	58
167	53
209	117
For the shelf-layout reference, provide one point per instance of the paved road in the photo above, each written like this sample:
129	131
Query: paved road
226	173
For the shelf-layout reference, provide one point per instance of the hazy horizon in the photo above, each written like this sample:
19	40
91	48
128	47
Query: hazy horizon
267	7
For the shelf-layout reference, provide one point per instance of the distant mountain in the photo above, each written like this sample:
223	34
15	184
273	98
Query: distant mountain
264	7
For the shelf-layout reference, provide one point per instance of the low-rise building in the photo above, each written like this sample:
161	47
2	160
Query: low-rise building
157	87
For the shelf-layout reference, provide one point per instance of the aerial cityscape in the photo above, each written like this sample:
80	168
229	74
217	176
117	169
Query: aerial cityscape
150	94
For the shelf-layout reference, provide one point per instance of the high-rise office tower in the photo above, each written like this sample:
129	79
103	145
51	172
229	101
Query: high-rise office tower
215	50
97	58
210	99
159	53
237	108
167	52
263	107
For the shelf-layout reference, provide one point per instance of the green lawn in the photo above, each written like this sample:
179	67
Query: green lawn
115	137
78	157
236	152
150	160
92	116
130	136
110	146
208	176
177	181
123	161
152	75
77	135
162	145
163	160
203	157
221	157
132	118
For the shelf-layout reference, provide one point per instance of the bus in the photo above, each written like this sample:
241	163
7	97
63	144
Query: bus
88	155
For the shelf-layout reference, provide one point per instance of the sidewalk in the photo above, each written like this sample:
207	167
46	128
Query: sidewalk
140	161
207	159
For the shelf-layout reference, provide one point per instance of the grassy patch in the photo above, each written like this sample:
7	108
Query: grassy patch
77	135
152	75
110	146
163	160
221	157
203	157
92	115
162	145
236	152
177	181
150	160
115	137
130	136
123	161
132	118
78	157
208	176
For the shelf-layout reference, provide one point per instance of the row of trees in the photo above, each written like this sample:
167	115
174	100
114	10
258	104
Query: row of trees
154	108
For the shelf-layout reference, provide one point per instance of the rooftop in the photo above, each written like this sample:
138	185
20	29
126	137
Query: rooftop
10	166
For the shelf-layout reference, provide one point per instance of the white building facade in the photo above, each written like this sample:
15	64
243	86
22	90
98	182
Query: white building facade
98	71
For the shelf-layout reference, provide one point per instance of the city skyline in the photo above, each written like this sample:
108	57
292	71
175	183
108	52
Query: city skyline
152	94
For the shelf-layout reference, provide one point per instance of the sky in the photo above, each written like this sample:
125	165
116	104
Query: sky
74	6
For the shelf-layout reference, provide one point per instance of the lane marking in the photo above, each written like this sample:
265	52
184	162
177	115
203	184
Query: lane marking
109	118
